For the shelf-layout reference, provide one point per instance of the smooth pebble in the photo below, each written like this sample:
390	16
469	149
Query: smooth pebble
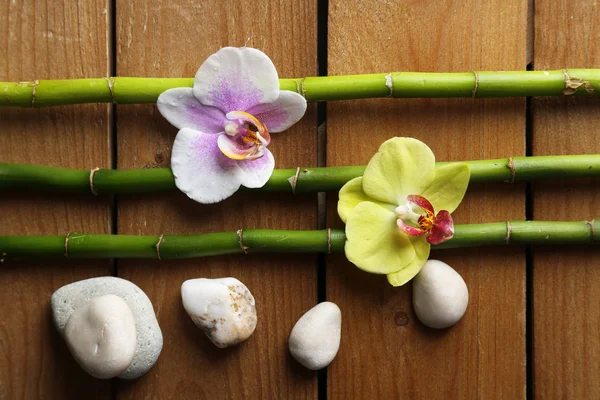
315	339
101	336
440	295
70	298
223	308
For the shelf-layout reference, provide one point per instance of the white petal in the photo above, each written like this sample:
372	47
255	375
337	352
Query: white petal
183	110
284	112
201	170
257	172
236	79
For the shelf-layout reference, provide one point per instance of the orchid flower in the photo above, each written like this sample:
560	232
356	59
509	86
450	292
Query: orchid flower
390	211
225	123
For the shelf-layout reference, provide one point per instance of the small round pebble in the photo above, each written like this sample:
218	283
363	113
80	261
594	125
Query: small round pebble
440	295
223	308
315	339
101	336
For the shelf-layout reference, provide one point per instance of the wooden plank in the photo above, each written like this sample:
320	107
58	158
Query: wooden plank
172	39
565	285
49	40
385	351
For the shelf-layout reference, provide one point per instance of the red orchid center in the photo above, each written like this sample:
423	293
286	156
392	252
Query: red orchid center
245	137
417	217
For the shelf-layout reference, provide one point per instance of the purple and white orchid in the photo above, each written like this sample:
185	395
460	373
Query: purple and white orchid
224	123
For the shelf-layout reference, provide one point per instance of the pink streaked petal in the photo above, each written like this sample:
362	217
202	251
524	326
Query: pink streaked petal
410	230
234	147
236	79
442	229
279	115
421	202
257	172
201	170
181	109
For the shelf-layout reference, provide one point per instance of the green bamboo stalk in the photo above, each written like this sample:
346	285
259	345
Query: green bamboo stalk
165	247
309	180
126	90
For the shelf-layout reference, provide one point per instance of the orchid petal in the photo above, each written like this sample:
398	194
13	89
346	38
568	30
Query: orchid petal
284	112
448	187
401	167
409	230
404	275
351	195
235	148
236	79
442	229
373	241
182	110
421	202
257	172
201	170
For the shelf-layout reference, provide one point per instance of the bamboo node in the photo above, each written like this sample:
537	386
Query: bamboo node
67	244
508	231
572	84
157	246
34	91
301	91
390	84
513	171
592	225
92	188
476	86
111	86
328	240
293	180
240	234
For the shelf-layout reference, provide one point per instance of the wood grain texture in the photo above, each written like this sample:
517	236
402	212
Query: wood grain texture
565	281
172	39
49	40
386	352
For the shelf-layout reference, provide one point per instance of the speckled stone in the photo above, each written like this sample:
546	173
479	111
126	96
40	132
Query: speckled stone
149	338
223	308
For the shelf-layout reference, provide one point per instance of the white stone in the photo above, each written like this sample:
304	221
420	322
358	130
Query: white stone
223	308
66	300
315	339
101	336
440	295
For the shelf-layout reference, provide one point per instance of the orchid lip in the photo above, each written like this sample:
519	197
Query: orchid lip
439	228
246	138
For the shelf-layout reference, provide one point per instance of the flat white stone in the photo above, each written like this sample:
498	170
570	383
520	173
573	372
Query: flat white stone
315	339
440	295
66	300
101	336
223	308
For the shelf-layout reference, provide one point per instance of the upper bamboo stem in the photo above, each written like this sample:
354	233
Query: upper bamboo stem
126	90
164	247
295	180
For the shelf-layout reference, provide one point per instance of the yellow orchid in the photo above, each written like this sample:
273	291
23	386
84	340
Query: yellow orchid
389	211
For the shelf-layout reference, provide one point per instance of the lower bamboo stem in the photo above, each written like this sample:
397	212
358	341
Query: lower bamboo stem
268	241
301	180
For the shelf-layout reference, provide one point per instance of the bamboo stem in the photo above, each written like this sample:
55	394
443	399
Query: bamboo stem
126	90
309	180
277	241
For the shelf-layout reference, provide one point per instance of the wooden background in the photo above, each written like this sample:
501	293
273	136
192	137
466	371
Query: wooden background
532	329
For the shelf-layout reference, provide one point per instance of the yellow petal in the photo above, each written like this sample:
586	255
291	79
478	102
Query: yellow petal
449	186
422	248
373	241
351	195
401	167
